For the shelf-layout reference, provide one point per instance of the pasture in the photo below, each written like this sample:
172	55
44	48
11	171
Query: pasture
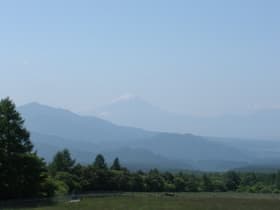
181	201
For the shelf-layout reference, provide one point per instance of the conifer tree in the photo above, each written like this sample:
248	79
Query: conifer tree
99	162
116	165
21	170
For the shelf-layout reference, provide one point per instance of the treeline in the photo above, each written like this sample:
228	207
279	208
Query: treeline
23	174
70	177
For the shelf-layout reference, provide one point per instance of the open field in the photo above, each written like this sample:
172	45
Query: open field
200	201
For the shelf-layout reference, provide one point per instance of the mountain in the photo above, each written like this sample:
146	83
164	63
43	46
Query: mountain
144	159
263	150
133	111
63	123
53	129
200	152
191	147
85	152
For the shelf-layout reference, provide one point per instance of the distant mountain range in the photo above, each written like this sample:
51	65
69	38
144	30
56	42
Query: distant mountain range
53	129
133	111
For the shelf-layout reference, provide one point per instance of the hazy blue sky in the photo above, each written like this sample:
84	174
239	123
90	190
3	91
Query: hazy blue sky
195	57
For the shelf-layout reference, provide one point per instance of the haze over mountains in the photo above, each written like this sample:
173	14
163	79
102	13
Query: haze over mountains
134	111
85	136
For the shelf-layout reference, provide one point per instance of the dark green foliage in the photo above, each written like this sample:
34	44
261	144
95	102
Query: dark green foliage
121	181
277	180
63	171
99	162
71	180
154	181
97	177
179	184
21	170
137	183
62	161
192	183
116	165
249	179
49	187
232	180
169	177
207	185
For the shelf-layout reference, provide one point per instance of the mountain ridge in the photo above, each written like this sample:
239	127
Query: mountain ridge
85	135
134	112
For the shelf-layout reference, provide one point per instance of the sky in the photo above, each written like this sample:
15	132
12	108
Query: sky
192	57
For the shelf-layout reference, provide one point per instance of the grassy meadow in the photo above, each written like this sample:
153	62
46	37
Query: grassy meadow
181	201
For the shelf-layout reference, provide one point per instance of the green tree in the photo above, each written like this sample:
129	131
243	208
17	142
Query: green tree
249	179
62	162
137	183
64	170
207	185
116	165
95	179
154	181
180	184
232	180
192	183
169	177
21	170
121	180
71	180
99	162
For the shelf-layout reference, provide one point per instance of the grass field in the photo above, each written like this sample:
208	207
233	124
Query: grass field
184	201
